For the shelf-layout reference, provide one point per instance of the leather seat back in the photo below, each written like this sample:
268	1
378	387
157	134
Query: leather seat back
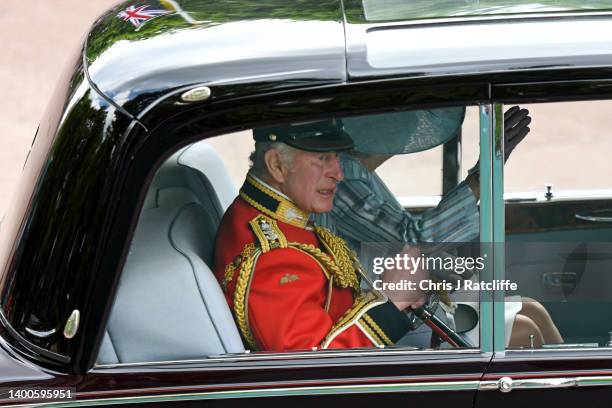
169	305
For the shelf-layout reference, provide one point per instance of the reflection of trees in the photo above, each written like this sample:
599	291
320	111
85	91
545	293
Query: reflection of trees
234	10
111	29
417	9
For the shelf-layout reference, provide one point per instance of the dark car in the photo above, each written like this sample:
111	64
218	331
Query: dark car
106	286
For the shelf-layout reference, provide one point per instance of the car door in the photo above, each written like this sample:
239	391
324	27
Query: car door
556	241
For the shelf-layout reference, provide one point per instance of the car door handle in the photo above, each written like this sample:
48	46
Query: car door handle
507	384
551	280
596	216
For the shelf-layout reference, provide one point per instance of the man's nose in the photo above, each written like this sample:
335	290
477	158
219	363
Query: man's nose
336	169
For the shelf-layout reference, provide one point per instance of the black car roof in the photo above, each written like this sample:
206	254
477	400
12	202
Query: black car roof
267	44
136	54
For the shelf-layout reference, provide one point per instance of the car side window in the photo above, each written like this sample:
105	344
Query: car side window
558	211
196	288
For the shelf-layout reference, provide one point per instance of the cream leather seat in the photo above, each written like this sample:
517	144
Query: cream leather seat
169	305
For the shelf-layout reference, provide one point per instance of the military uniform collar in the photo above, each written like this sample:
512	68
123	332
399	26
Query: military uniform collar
272	202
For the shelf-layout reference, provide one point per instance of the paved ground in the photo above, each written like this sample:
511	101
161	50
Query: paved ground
569	145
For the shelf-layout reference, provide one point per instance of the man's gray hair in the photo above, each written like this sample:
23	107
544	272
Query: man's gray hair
258	164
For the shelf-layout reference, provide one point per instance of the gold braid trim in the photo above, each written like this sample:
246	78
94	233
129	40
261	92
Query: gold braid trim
345	271
363	302
340	277
256	204
376	328
286	212
241	294
370	333
230	268
318	261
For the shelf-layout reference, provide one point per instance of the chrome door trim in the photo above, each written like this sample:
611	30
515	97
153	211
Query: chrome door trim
594	381
507	384
545	352
545	382
384	25
431	386
272	392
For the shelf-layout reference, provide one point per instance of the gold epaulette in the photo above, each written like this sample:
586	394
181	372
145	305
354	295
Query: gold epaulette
268	233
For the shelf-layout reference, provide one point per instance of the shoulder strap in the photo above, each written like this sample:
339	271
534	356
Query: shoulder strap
268	233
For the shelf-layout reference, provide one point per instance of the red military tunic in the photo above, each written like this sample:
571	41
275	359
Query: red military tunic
294	287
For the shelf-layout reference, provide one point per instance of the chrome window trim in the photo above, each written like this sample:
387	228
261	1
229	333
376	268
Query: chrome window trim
381	25
545	351
312	355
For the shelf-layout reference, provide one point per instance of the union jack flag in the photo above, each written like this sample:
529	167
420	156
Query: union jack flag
140	15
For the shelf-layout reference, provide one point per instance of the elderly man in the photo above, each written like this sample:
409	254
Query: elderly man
292	285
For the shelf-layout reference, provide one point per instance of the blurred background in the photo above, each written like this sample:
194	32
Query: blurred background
567	145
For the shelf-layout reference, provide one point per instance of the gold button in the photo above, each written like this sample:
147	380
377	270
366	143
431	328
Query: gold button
272	137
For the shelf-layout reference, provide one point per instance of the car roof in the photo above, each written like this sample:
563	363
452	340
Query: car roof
135	55
267	45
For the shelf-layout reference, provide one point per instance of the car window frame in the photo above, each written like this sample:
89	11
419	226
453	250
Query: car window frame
344	95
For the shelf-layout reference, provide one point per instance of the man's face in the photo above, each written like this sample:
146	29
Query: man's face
311	182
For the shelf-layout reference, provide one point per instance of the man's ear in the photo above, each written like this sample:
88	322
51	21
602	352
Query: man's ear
275	166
